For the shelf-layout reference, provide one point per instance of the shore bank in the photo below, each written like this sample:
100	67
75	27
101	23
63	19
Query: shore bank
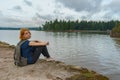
115	34
42	70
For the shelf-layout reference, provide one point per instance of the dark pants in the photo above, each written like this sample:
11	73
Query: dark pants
37	51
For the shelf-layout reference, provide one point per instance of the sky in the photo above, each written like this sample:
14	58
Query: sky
34	13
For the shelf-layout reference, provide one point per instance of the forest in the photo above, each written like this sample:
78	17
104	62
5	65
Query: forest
62	25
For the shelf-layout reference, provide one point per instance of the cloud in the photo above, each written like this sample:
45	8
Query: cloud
17	8
22	13
114	6
28	2
42	17
110	11
83	9
82	5
9	21
94	9
14	21
1	13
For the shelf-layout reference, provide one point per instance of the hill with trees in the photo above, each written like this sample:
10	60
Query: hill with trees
63	25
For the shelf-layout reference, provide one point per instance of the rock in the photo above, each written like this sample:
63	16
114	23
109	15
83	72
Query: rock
115	34
42	69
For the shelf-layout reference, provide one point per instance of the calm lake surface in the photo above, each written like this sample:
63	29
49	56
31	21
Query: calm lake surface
98	52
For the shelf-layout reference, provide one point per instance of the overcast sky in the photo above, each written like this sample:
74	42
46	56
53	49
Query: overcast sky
29	13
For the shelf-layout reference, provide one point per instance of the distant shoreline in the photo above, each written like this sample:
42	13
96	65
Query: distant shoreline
89	31
12	28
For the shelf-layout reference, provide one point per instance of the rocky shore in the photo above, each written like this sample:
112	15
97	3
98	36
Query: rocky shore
42	70
115	34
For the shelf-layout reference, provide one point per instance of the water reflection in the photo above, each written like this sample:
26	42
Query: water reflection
117	44
63	34
117	41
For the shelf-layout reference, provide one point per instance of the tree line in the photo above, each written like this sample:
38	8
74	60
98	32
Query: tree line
63	25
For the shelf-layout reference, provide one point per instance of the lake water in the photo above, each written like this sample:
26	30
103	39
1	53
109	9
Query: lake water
98	52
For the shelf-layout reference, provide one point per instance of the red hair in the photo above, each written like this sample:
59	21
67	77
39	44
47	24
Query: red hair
22	31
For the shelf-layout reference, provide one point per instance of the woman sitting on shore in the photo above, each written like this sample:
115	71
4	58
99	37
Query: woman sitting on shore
32	49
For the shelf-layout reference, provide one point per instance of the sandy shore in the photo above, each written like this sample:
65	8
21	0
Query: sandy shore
42	70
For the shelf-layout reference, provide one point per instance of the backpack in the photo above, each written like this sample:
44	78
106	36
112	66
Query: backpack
18	59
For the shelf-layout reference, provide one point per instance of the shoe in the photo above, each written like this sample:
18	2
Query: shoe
50	59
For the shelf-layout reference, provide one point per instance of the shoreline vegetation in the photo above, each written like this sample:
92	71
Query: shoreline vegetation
42	70
63	25
116	31
109	27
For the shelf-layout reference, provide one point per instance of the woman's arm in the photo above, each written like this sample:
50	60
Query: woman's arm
38	43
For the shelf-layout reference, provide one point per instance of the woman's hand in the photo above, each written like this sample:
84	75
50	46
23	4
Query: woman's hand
47	43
